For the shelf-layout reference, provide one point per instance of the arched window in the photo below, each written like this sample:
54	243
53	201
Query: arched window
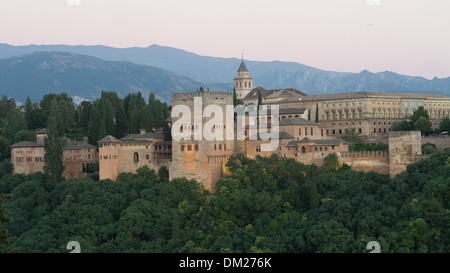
136	157
303	150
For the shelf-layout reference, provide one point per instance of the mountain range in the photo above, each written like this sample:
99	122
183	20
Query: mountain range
86	70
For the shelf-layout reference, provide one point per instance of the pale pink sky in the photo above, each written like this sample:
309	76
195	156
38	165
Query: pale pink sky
405	36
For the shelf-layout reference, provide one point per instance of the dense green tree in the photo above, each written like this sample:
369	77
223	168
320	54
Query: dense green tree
352	136
418	113
424	125
138	113
93	125
444	125
85	107
28	110
267	204
119	113
330	163
401	126
53	145
429	148
4	145
37	119
236	101
260	101
65	109
25	135
15	123
4	218
7	107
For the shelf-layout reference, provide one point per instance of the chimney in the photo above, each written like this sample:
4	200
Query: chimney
142	131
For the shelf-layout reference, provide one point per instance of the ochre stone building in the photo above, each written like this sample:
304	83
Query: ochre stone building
132	152
309	126
28	156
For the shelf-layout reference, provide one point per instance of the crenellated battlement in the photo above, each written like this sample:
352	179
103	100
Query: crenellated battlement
364	154
395	134
191	95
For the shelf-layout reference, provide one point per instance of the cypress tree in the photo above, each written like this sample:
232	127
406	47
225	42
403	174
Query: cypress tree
93	125
259	99
28	109
53	145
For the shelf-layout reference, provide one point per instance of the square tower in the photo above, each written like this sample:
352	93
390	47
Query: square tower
243	83
404	146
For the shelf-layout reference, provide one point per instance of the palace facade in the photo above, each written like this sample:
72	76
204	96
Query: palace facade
28	156
310	127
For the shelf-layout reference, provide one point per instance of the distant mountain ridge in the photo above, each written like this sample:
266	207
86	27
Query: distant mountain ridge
39	73
218	73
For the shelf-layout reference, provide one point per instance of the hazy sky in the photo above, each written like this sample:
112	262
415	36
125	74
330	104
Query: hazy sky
406	36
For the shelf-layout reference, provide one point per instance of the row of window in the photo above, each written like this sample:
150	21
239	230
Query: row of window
79	157
29	159
107	145
333	132
189	147
306	131
303	149
348	115
239	84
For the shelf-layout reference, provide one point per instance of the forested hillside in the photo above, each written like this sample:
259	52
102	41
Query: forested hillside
264	205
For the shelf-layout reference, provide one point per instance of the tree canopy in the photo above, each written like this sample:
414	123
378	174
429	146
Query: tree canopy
267	204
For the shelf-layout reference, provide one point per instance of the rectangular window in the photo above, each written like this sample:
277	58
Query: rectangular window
182	148
189	147
306	131
196	147
312	131
147	156
321	132
224	146
299	131
215	147
220	146
258	148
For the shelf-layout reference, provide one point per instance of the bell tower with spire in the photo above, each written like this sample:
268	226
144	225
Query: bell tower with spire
243	82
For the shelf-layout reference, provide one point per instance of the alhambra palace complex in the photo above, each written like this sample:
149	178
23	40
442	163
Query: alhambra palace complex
369	113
